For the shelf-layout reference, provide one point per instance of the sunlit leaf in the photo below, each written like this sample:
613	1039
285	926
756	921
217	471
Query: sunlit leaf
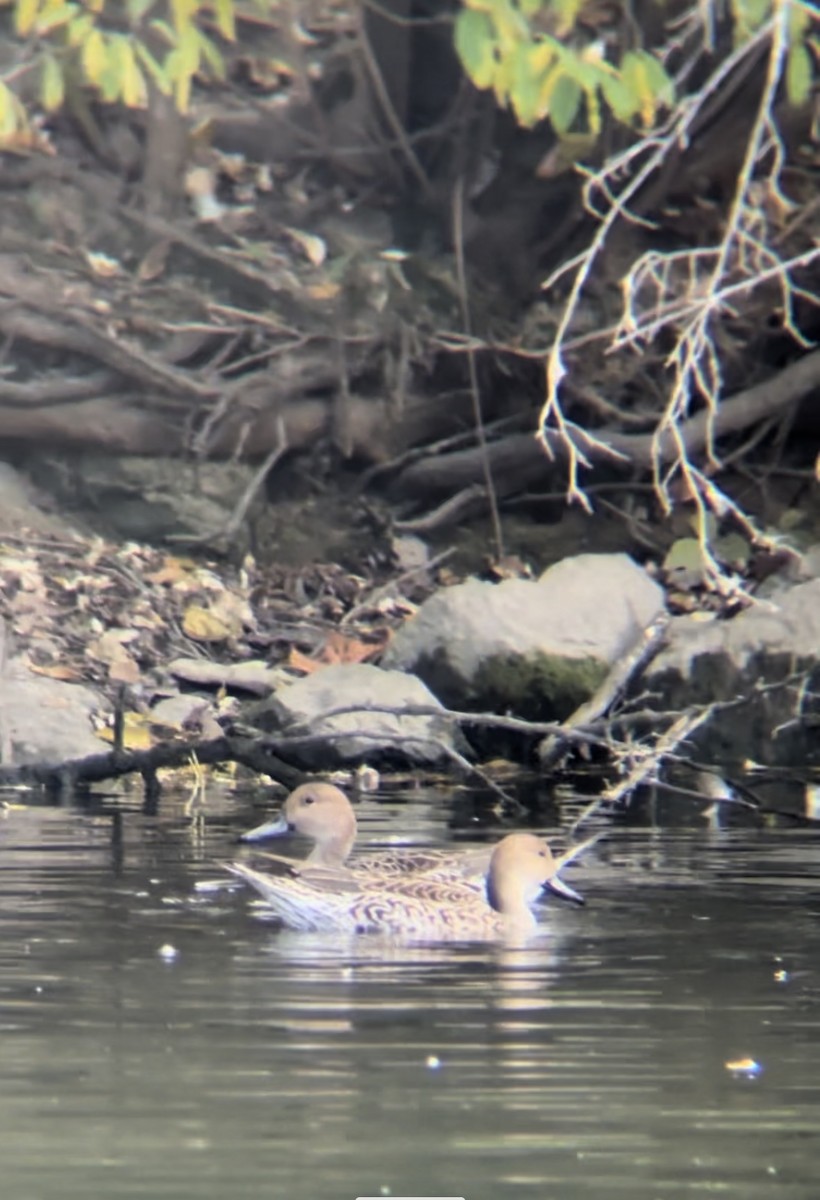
182	12
94	56
54	16
137	9
475	46
225	22
52	86
798	74
157	73
523	89
619	96
201	625
564	102
25	14
79	29
211	54
134	89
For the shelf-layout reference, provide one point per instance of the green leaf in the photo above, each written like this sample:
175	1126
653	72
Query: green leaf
564	102
523	85
659	81
798	75
685	560
475	46
510	26
619	96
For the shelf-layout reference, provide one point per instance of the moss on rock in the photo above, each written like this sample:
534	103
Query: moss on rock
540	686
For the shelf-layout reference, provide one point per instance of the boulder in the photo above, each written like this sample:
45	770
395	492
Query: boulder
45	720
538	648
364	735
769	656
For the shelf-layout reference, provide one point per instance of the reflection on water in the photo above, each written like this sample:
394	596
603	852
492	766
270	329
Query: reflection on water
261	1062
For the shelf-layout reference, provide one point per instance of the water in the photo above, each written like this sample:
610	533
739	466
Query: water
250	1062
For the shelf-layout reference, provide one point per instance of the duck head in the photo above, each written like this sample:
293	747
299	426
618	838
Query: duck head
521	868
319	811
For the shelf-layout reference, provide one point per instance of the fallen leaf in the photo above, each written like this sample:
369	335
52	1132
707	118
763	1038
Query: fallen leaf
57	671
136	733
201	625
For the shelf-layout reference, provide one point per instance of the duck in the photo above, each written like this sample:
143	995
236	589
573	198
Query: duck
420	906
322	812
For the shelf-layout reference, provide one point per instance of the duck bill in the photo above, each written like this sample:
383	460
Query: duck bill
270	829
563	890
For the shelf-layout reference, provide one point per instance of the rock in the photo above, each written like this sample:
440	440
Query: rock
45	720
24	508
301	708
147	499
538	648
774	640
253	675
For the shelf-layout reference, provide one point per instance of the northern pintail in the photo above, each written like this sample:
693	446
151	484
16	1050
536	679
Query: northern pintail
323	813
419	906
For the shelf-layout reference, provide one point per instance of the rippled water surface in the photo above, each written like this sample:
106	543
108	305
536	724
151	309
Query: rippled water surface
254	1062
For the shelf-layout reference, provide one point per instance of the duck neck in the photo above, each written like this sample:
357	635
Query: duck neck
333	850
510	902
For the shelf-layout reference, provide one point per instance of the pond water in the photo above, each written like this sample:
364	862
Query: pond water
255	1062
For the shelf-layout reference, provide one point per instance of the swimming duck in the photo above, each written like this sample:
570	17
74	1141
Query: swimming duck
323	813
420	906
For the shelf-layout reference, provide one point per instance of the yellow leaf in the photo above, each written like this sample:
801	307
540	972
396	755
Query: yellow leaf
94	56
201	625
313	246
12	117
133	88
136	733
183	11
225	19
52	86
25	15
323	291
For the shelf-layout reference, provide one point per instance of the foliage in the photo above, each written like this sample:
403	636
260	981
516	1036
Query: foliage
119	49
680	300
546	59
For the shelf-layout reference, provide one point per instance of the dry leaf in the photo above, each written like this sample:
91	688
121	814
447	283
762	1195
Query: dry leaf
154	262
136	733
103	265
314	247
338	648
57	671
201	625
323	291
300	662
124	670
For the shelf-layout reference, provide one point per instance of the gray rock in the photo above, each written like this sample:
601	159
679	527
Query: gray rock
302	708
144	498
538	647
777	641
45	720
